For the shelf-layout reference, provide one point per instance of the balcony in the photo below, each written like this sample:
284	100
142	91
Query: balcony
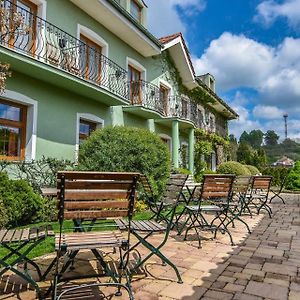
26	33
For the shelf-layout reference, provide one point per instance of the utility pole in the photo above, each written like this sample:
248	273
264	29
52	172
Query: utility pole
285	116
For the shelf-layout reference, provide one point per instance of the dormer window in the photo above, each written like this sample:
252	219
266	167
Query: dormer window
136	10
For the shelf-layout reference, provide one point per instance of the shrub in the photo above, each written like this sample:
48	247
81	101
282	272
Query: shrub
253	170
233	167
20	202
278	173
3	214
293	179
127	149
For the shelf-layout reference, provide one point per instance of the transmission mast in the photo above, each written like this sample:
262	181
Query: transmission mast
285	116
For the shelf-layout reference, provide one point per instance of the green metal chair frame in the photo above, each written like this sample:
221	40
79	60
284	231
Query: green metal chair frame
92	196
259	193
277	193
143	229
217	190
21	242
240	189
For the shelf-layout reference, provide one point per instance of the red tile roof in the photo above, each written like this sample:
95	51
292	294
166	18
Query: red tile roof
169	38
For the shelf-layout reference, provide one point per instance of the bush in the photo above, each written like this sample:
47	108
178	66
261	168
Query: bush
127	149
20	203
278	173
253	170
233	167
293	180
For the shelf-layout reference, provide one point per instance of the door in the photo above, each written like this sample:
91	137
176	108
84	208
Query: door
164	98
135	85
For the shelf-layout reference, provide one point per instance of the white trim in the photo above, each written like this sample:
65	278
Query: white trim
42	8
134	63
93	36
31	122
178	40
86	117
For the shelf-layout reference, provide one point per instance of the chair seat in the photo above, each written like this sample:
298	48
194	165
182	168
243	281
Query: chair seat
146	226
8	236
205	208
90	240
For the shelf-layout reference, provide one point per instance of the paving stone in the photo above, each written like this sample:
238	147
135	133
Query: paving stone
267	290
280	269
254	266
277	281
218	295
242	296
295	287
226	279
293	295
234	287
179	291
254	272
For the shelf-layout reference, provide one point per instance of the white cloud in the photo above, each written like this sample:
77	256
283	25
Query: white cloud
267	112
268	11
164	19
274	72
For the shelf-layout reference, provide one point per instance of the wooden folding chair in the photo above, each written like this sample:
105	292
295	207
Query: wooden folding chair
143	229
19	243
92	196
259	193
215	196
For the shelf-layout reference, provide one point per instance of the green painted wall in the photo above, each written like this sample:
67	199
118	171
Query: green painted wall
131	120
57	115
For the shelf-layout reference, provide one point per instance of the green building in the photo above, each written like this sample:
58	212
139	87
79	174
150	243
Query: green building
80	65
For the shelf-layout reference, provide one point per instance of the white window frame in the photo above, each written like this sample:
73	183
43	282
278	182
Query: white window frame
31	121
138	66
94	37
87	117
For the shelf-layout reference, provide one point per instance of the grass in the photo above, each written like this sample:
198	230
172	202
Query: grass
47	246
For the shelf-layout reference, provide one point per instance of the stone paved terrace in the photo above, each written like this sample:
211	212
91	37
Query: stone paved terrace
262	265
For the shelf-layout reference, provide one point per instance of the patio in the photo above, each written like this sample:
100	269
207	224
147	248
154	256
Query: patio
263	265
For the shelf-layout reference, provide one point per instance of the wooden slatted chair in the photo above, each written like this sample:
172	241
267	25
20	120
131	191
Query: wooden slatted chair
240	190
215	197
92	196
143	229
19	243
258	196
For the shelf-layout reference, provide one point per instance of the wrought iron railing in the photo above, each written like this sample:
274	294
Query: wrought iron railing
145	94
25	32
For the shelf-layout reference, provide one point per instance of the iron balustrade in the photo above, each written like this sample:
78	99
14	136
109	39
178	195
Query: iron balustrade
145	94
25	32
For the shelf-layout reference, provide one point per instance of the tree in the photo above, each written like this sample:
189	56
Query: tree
271	138
244	138
259	158
244	153
233	146
255	138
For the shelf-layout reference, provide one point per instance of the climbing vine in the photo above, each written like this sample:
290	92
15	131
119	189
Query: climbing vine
198	94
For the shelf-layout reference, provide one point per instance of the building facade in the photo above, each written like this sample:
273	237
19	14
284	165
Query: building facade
82	65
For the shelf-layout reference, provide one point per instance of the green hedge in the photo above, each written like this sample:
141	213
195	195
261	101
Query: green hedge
279	173
127	149
233	167
253	170
19	205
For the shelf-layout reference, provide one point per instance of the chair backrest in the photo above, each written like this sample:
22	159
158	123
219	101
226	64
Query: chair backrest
261	184
217	187
95	195
143	180
241	184
174	188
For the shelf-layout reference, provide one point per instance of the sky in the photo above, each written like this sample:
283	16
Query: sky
252	47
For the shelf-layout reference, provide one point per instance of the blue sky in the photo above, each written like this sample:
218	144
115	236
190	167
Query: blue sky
252	47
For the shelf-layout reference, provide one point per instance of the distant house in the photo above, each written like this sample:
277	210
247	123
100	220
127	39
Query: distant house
284	162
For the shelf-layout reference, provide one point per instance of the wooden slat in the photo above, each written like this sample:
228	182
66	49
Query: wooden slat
91	214
97	184
9	235
91	195
96	204
97	175
50	231
17	236
25	235
2	234
33	233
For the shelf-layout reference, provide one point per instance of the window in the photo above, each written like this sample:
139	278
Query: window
85	129
136	10
164	97
90	61
184	106
23	37
12	130
135	85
